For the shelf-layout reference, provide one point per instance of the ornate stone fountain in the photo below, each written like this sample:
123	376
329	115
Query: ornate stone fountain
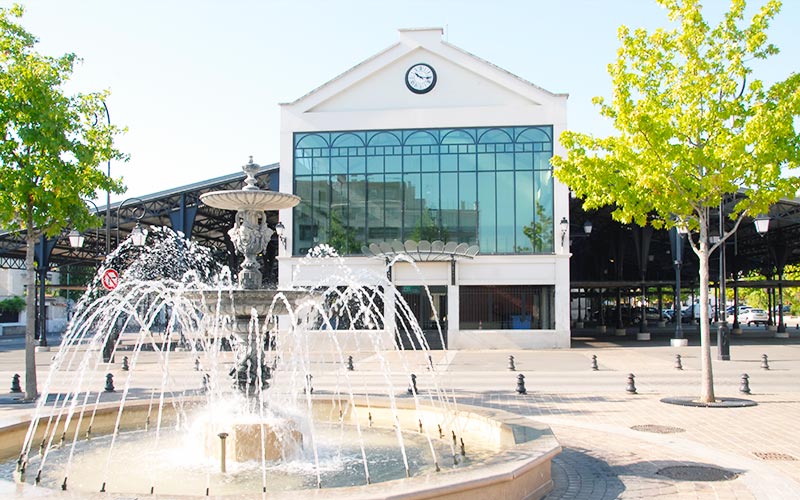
250	233
250	236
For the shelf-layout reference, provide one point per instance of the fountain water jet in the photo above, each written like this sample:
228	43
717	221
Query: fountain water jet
74	418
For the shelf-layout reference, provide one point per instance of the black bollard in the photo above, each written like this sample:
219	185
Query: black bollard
350	363
511	365
109	382
412	389
463	450
125	366
631	388
206	382
521	384
678	364
430	363
744	388
15	387
764	362
308	386
197	364
594	363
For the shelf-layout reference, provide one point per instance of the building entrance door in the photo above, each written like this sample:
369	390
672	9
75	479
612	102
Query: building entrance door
423	309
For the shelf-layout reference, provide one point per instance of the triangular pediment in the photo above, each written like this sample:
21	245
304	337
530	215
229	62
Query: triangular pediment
463	80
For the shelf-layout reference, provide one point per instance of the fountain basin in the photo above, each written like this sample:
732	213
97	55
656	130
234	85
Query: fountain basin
520	467
245	199
242	303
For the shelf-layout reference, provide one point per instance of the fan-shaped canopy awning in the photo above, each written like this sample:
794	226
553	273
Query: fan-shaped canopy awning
422	251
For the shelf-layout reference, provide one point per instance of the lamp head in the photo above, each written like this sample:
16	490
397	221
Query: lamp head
762	224
76	239
138	235
564	228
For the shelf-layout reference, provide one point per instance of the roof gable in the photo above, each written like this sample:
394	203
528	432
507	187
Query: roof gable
378	83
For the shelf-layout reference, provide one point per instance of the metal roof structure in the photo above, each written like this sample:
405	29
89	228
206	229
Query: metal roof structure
615	255
179	208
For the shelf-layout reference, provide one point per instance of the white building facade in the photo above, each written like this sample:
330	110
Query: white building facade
426	142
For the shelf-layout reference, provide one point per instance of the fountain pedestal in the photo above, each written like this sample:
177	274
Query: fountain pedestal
244	441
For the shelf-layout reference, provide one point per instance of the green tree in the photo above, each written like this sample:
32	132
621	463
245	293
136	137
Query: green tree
540	232
342	237
51	145
428	228
694	127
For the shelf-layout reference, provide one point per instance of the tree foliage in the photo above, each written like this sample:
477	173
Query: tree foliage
540	232
51	146
342	237
694	127
429	228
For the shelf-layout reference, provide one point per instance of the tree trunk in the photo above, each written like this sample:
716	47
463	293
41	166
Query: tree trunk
707	377
31	392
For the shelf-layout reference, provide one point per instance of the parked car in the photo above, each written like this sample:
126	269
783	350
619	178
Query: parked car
692	313
787	309
742	310
650	314
754	317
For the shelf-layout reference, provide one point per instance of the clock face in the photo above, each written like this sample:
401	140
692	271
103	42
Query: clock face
420	78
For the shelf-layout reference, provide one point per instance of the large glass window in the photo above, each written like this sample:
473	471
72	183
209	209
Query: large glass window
515	307
487	186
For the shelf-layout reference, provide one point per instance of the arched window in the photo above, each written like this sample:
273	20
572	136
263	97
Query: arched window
494	136
347	140
383	139
311	141
457	137
420	138
533	135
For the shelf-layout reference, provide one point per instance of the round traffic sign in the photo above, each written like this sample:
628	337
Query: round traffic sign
110	279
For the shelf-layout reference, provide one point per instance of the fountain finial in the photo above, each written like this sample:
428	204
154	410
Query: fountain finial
250	169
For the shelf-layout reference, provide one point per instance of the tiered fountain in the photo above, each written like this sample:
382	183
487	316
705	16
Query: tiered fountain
182	427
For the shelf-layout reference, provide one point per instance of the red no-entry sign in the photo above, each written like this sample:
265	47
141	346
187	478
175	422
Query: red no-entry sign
110	279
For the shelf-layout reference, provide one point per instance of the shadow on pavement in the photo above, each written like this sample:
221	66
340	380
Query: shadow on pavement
576	474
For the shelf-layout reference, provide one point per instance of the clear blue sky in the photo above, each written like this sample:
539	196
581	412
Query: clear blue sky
198	82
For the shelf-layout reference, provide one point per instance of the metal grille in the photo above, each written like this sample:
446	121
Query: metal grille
657	429
772	455
696	473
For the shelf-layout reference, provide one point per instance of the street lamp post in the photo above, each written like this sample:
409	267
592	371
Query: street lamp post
280	230
76	239
676	236
723	332
108	192
762	227
138	235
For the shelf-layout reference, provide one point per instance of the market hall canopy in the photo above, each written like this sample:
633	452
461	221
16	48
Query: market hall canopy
617	255
179	208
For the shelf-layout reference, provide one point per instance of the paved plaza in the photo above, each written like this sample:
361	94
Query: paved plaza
616	444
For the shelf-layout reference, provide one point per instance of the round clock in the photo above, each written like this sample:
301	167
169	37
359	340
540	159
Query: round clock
420	78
